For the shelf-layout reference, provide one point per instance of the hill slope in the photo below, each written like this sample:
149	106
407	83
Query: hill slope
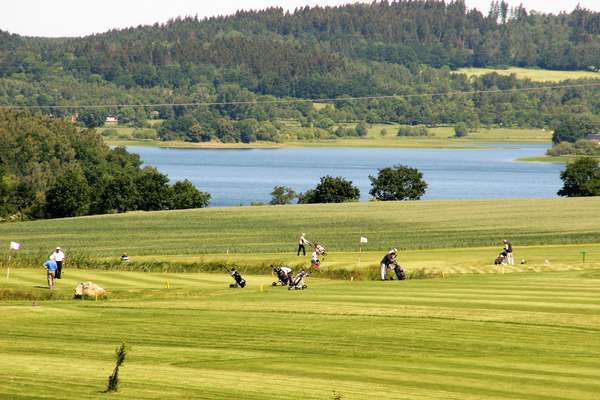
382	48
248	230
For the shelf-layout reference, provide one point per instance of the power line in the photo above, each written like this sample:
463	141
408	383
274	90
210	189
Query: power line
291	101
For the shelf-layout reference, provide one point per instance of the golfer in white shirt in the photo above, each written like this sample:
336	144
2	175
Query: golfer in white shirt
58	256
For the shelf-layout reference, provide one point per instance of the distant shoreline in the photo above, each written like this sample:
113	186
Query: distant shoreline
457	144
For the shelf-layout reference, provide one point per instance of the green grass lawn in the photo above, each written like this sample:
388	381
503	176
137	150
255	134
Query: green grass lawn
514	336
538	75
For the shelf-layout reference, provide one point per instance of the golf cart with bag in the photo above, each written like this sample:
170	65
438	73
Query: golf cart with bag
284	275
501	259
319	253
237	277
398	271
298	282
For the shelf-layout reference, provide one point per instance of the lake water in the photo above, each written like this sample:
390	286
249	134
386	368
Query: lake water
243	176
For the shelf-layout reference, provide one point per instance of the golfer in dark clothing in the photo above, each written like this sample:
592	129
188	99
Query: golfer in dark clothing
509	252
302	245
388	259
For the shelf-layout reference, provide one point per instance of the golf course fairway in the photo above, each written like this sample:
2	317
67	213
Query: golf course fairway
469	331
513	336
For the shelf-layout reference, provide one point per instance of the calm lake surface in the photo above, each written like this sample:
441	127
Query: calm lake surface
243	176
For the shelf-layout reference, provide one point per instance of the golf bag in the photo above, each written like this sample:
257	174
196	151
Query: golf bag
298	281
239	281
284	278
400	274
319	251
501	259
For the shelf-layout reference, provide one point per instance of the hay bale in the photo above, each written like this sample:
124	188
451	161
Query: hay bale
89	289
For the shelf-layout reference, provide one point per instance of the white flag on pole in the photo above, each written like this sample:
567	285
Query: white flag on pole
363	240
15	246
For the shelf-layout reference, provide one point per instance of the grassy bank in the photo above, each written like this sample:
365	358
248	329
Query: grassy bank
440	137
528	336
274	229
552	159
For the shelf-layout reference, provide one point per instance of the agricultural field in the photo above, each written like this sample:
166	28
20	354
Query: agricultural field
537	75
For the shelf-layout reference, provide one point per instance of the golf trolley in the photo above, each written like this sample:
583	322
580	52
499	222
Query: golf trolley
298	282
318	253
501	259
398	271
237	277
284	275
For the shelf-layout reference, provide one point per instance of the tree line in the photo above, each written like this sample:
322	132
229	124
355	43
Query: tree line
399	182
385	48
51	169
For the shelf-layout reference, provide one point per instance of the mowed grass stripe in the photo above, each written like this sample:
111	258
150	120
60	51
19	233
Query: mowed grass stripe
362	339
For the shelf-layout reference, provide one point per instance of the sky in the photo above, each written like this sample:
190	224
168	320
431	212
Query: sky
56	18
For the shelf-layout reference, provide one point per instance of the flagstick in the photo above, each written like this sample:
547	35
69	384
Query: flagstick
359	254
8	269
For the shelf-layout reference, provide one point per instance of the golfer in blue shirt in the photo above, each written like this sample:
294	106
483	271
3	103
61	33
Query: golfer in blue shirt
50	267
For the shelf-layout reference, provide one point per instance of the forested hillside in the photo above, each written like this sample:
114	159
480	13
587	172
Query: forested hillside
382	48
49	169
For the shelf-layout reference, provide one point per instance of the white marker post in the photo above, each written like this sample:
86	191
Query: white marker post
362	240
14	246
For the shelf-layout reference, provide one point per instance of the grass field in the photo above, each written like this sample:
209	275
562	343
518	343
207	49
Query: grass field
473	332
441	137
274	229
514	336
538	75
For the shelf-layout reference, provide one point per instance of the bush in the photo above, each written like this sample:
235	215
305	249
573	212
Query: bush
561	149
361	129
413	131
398	183
461	130
345	132
282	195
581	147
581	178
570	128
69	196
331	190
185	195
324	123
110	132
144	134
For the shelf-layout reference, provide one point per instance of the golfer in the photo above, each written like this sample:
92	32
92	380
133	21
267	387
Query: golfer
302	242
58	256
509	252
388	259
287	271
50	267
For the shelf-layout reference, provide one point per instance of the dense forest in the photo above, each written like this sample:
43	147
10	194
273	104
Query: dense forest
50	169
406	48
